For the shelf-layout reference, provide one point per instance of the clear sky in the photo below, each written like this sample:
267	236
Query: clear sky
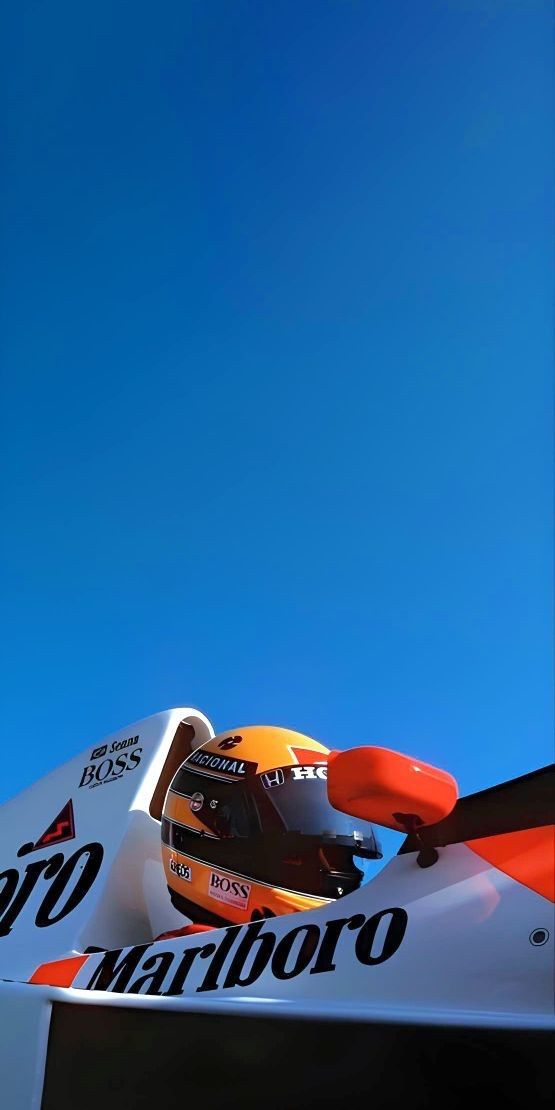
277	374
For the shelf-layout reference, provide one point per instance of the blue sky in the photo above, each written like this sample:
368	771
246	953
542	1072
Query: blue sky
277	356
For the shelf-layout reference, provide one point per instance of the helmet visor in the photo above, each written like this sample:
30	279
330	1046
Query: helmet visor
294	799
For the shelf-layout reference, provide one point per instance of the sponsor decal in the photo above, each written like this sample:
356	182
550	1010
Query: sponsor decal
244	953
111	769
115	746
314	771
228	766
224	889
230	742
60	829
273	778
57	883
306	755
196	802
182	870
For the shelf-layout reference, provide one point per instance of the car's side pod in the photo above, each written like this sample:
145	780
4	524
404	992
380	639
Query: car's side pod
391	789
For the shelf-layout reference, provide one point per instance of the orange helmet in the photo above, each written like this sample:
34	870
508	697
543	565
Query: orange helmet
248	831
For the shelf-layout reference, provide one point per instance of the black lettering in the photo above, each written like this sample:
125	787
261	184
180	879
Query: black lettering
304	955
108	763
393	936
210	981
95	854
118	745
160	963
332	933
189	955
47	867
88	774
111	975
135	757
121	762
266	941
10	879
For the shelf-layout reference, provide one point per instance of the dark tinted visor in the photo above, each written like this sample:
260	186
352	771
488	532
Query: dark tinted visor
283	800
295	800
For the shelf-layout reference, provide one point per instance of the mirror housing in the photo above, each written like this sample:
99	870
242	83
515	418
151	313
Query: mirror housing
387	788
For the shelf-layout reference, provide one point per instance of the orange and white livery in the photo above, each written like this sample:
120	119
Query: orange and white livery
426	981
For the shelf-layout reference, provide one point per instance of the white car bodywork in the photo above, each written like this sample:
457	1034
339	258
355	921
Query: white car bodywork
447	945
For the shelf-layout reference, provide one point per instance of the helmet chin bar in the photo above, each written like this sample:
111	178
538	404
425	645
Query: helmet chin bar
292	862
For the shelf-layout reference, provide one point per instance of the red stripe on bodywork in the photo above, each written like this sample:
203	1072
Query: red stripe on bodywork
527	856
59	973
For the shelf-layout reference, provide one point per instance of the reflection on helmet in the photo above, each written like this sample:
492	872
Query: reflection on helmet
248	831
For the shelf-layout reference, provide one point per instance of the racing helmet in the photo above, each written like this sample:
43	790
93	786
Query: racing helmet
248	831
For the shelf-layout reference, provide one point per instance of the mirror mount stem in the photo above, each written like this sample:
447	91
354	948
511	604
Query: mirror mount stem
427	855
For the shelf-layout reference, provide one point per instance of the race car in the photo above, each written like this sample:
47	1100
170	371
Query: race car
431	982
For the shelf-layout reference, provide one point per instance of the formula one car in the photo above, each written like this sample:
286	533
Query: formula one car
428	985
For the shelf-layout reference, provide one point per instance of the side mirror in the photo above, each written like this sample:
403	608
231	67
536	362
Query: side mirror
388	788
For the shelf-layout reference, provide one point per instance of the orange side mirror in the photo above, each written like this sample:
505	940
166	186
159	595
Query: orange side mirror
388	788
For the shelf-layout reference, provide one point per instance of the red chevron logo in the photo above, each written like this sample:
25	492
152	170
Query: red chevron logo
60	829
